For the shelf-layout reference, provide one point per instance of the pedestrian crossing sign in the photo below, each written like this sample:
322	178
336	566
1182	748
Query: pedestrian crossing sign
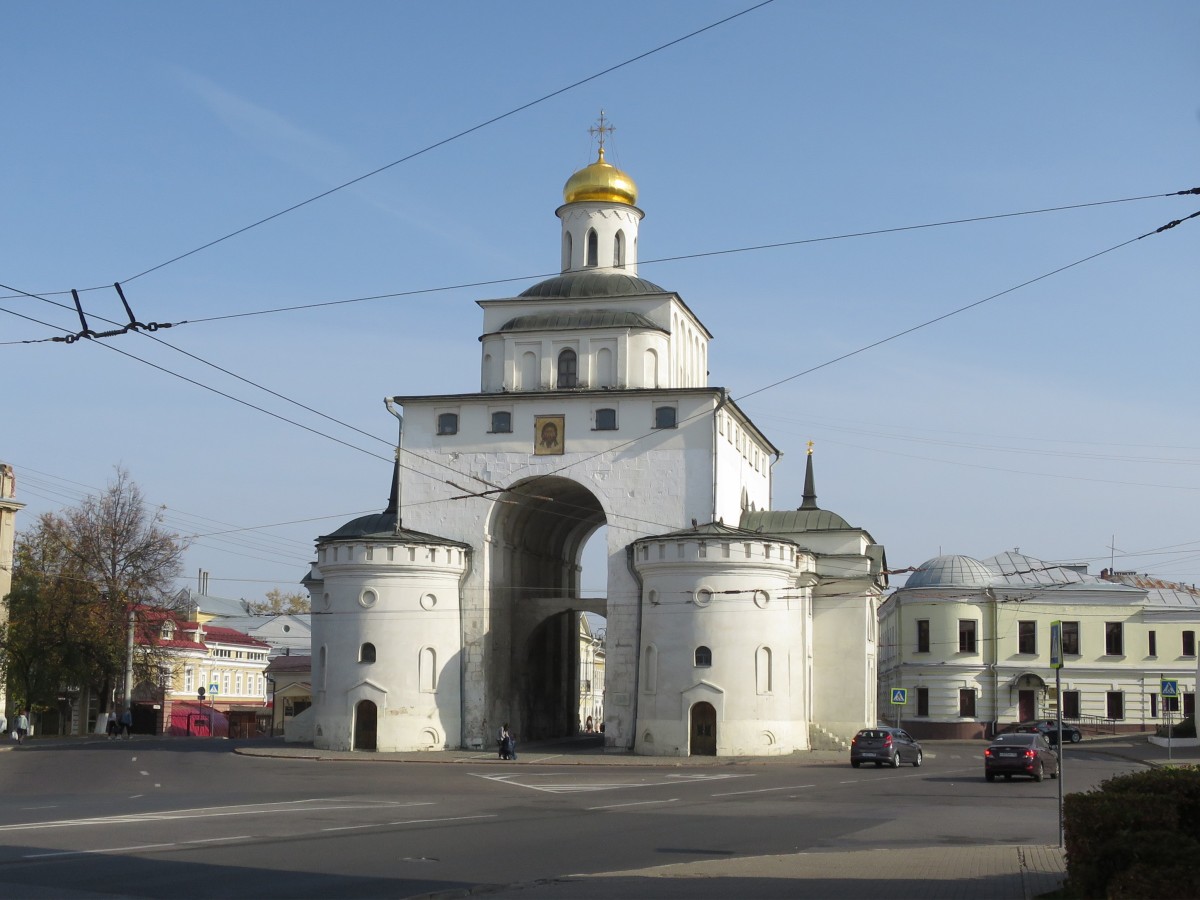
899	696
1170	688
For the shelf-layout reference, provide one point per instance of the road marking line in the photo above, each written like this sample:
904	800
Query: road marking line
212	812
791	787
236	837
409	822
449	819
92	852
639	803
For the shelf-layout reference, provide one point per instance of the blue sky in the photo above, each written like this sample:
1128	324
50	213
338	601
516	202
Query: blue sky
1052	418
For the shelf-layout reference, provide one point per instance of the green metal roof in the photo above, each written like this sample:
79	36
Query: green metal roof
382	527
793	521
581	285
561	321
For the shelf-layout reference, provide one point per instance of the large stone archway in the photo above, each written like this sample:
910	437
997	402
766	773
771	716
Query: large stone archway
535	543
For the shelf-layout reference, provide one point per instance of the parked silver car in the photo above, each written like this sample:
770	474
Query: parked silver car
885	746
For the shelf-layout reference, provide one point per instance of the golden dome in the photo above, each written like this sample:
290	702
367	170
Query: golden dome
600	181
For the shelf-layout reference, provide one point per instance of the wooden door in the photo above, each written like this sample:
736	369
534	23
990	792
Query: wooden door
704	730
1027	704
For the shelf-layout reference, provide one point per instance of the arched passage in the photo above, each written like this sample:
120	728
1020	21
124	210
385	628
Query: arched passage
536	542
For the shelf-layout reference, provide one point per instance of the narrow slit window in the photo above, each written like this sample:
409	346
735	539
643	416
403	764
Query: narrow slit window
593	252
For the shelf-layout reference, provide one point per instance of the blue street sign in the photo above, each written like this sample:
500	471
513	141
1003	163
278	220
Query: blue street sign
899	696
1056	660
1170	688
214	689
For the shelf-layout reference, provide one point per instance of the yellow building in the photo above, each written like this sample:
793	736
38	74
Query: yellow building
969	641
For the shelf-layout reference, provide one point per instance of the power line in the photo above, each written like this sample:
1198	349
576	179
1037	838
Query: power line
454	137
16	293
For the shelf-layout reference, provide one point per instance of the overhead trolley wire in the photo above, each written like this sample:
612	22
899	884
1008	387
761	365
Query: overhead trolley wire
413	292
893	337
454	137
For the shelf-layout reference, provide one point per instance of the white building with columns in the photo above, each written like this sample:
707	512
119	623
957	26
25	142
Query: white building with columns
731	628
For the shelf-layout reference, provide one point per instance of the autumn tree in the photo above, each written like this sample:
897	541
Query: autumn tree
77	575
278	603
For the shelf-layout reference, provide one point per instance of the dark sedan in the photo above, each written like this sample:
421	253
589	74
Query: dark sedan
1048	728
885	746
1020	754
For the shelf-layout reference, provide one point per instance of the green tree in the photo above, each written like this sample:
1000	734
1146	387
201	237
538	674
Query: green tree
77	575
278	603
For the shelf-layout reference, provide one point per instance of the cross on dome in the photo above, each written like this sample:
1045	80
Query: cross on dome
600	130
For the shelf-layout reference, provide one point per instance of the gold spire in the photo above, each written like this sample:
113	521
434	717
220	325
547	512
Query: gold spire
601	180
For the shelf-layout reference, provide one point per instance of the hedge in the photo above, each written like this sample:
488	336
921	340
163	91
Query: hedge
1137	836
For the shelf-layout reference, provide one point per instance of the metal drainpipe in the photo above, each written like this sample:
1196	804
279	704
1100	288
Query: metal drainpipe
462	665
637	658
995	656
715	438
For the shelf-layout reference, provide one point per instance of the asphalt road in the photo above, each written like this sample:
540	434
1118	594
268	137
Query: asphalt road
173	819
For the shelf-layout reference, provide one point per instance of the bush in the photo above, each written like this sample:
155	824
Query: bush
1185	728
1124	838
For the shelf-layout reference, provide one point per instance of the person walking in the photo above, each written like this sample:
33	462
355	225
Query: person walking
22	724
127	724
501	741
508	746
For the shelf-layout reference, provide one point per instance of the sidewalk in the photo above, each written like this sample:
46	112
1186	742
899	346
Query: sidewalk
918	873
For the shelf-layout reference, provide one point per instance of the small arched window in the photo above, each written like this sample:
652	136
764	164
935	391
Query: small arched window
606	420
366	653
566	255
650	670
447	423
593	252
427	670
703	657
568	369
619	250
664	417
501	422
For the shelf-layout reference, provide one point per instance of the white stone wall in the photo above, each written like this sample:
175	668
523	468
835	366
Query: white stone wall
405	601
845	677
743	469
607	219
680	351
759	704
